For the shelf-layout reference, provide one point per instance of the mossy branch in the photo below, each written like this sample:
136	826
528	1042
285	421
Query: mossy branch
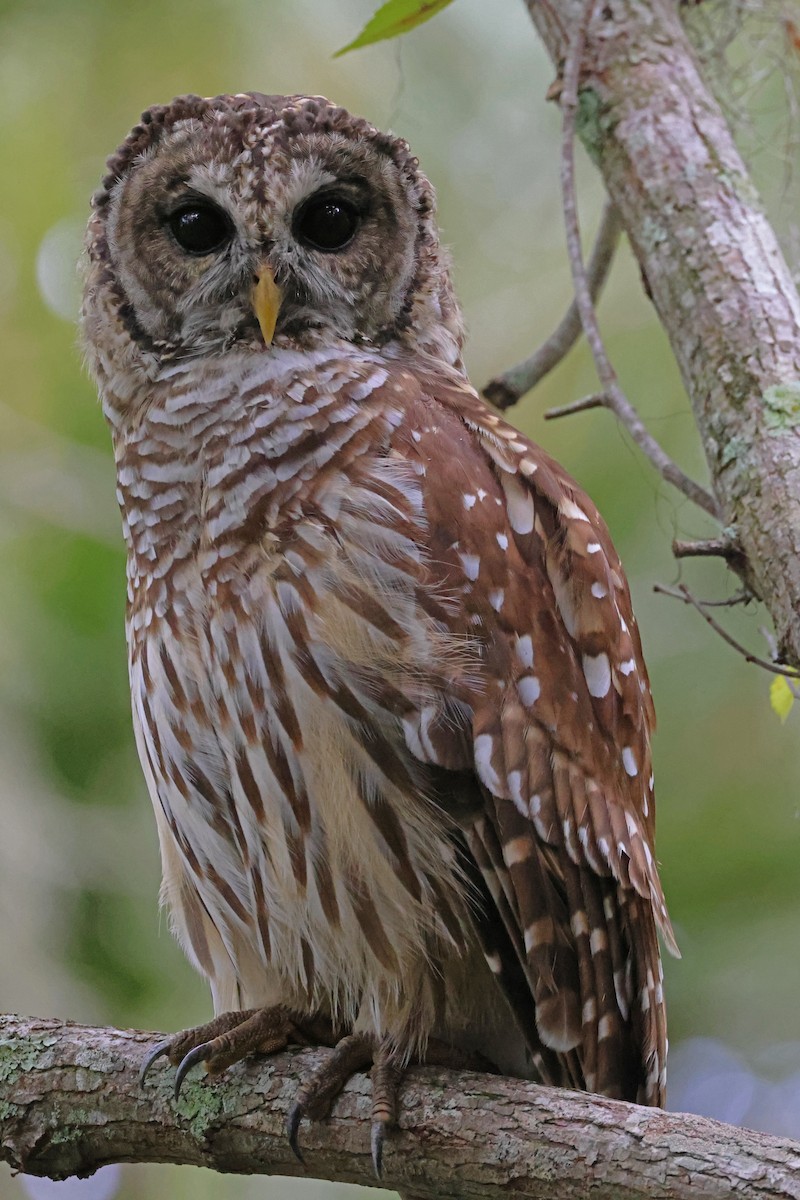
70	1102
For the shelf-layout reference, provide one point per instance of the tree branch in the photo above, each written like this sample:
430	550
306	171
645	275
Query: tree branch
712	266
71	1103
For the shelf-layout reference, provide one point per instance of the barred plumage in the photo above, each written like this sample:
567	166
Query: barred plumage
388	688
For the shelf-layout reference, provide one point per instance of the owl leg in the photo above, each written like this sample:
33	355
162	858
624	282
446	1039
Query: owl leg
352	1054
234	1035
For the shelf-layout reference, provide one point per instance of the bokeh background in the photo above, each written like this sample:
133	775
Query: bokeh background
80	932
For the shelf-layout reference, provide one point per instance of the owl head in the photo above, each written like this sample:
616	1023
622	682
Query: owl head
255	224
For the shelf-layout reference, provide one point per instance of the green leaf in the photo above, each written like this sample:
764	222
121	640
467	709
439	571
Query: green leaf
392	19
781	697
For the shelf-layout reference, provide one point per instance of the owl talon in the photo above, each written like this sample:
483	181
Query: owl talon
377	1139
159	1051
295	1116
187	1062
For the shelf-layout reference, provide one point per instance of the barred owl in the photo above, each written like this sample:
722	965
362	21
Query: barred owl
387	687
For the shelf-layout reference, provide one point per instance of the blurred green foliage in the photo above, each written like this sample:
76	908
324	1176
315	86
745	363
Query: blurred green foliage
80	934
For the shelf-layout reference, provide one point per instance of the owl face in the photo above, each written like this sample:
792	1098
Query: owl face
256	223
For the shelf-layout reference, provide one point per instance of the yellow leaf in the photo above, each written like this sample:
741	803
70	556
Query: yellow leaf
781	697
392	19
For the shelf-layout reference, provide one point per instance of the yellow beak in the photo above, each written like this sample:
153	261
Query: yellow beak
266	300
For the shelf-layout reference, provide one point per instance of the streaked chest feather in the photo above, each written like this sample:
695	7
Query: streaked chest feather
271	677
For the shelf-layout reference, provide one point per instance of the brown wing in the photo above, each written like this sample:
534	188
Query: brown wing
562	715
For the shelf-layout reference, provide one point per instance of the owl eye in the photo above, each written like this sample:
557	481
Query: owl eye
327	222
200	228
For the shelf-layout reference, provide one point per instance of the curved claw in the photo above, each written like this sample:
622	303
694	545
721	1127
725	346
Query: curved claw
293	1119
187	1062
377	1138
159	1051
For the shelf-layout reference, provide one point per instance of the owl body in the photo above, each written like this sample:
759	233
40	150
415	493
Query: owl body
387	686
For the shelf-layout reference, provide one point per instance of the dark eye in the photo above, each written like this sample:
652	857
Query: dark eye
200	228
327	222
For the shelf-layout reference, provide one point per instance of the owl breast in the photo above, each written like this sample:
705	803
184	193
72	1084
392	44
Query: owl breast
276	670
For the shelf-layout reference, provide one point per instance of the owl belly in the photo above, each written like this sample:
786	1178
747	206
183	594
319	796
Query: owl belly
301	864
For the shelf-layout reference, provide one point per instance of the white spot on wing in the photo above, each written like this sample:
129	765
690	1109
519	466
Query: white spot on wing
469	500
597	670
519	505
579	923
629	761
529	690
471	564
525	650
539	933
502	540
570	509
598	591
598	941
515	788
484	746
496	598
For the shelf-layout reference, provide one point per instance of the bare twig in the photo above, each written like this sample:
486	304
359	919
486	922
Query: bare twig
683	593
614	398
71	1102
509	387
724	547
740	597
706	548
567	410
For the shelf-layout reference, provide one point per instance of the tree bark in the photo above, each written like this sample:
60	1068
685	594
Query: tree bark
70	1102
712	266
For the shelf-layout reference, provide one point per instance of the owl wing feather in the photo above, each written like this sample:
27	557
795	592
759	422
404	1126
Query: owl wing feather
559	741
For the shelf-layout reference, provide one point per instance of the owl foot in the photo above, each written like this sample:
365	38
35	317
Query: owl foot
354	1053
232	1036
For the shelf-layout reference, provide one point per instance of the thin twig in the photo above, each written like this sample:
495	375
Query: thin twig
509	387
683	593
614	396
743	596
566	410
